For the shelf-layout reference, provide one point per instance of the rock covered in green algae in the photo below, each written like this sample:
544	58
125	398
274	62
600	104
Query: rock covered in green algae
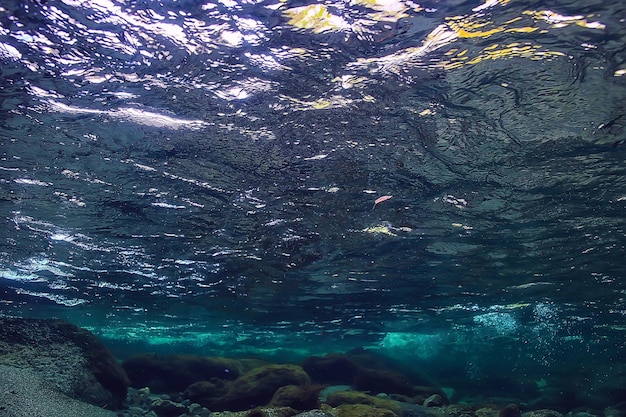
300	397
283	391
340	398
254	388
367	371
174	373
362	410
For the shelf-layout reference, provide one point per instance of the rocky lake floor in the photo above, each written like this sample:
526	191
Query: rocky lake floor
51	368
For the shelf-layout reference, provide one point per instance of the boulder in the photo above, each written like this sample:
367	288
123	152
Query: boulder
383	381
254	388
511	410
203	391
174	373
299	397
168	408
371	372
436	400
340	398
332	369
67	358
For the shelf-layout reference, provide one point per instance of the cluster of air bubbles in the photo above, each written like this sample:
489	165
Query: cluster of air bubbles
545	332
502	324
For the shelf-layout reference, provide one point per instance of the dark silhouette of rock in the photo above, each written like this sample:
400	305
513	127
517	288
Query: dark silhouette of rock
174	373
385	381
332	369
72	360
370	372
510	410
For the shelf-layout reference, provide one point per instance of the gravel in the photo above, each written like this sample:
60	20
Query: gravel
24	394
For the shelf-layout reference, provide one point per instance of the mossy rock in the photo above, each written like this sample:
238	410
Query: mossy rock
205	389
368	371
174	373
254	388
339	398
299	397
100	361
362	410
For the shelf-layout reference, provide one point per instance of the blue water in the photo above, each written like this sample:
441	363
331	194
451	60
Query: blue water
185	176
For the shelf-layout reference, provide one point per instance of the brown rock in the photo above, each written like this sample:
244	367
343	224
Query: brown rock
299	397
362	410
339	398
510	410
254	388
174	373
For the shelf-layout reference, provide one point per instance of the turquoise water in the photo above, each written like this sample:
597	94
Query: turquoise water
203	177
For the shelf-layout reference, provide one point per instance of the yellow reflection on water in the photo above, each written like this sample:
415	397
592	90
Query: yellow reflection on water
315	17
490	32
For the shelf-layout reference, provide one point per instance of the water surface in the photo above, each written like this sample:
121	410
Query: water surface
201	176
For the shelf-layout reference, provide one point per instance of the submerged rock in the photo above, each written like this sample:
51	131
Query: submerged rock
374	373
167	408
340	398
254	388
333	369
175	373
510	410
385	381
436	400
300	397
362	410
65	357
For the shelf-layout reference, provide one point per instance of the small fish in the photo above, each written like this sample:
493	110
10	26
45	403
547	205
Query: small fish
380	200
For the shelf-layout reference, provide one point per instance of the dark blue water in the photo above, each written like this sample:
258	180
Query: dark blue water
182	176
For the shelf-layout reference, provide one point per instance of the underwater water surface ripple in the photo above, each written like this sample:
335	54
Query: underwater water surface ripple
206	173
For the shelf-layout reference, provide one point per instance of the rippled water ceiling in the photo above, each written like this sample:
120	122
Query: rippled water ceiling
369	172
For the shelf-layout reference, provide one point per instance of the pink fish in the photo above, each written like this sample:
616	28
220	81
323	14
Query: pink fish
380	200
